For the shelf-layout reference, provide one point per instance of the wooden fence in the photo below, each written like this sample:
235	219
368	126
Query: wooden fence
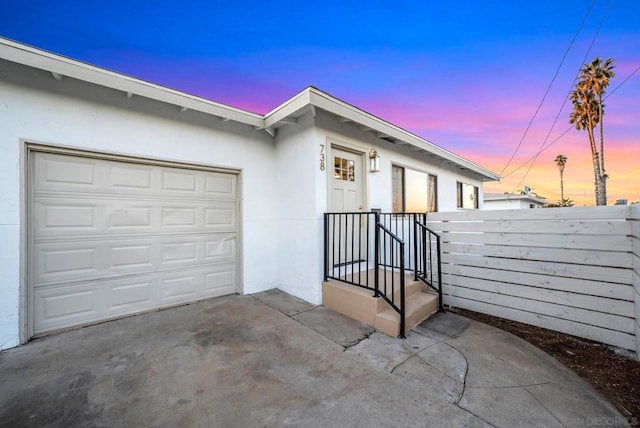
565	269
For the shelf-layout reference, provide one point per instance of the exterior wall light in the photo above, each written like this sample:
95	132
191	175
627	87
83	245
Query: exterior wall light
374	161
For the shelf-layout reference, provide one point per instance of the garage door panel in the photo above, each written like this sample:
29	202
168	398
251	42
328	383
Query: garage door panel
220	282
67	306
180	182
130	177
67	261
60	308
221	249
57	172
220	185
64	172
110	238
65	216
90	259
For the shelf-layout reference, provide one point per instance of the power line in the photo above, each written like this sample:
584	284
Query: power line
535	114
593	40
570	127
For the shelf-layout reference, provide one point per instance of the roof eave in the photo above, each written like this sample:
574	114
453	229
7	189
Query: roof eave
61	67
366	121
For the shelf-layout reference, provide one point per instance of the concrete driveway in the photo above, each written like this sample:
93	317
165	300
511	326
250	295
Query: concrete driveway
273	360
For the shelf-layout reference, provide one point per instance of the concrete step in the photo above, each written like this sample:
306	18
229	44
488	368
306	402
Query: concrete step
387	276
419	307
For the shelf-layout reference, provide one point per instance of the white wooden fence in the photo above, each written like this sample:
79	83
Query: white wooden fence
635	237
573	270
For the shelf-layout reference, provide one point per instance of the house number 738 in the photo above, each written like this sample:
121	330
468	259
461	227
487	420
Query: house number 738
322	157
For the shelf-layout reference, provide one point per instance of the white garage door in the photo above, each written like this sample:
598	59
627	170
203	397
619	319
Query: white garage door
110	238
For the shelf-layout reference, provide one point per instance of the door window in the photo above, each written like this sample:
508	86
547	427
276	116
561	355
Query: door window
344	169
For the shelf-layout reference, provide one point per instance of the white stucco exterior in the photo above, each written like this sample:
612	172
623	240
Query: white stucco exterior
284	192
511	202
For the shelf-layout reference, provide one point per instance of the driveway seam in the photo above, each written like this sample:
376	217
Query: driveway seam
543	406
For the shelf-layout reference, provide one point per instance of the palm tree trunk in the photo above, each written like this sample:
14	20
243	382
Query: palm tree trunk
601	113
600	197
603	174
561	186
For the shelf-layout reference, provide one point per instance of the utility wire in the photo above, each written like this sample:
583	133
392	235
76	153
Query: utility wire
571	127
535	114
593	40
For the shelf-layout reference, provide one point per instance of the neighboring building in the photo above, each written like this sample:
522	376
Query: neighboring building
119	196
501	201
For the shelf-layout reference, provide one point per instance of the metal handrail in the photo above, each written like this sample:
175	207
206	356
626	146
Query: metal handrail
383	291
348	241
425	266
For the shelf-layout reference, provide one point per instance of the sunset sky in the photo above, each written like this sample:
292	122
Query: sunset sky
465	75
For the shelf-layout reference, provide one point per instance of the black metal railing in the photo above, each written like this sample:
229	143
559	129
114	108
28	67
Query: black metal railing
390	261
349	247
401	225
427	267
374	250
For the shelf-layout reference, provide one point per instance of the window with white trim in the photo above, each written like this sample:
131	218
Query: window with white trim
413	191
467	196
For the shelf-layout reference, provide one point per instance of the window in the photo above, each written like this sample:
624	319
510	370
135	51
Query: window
413	191
344	169
467	196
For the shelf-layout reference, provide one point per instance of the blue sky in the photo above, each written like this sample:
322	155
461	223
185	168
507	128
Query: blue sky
466	75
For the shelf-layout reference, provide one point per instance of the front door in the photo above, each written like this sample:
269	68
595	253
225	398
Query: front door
347	183
348	231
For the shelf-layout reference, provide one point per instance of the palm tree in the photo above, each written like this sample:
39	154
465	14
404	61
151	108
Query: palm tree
561	161
599	73
585	118
588	112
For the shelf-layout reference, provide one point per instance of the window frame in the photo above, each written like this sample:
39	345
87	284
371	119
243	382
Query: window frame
460	192
431	178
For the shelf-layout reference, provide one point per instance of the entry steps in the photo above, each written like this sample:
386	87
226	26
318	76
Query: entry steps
358	303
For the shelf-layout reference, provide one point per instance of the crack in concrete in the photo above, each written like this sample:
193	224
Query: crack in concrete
509	387
344	347
474	415
278	310
405	360
303	312
543	406
347	347
466	366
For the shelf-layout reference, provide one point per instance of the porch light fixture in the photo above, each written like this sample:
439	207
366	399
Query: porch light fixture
374	161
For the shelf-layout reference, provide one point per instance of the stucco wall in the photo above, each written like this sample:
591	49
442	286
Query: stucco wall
35	107
379	183
512	204
301	202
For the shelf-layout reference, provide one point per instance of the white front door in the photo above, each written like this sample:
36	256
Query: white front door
348	231
347	183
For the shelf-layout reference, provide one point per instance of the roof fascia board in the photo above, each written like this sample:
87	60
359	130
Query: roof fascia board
514	198
290	107
334	105
32	57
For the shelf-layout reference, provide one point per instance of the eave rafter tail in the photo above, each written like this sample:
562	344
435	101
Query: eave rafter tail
270	130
